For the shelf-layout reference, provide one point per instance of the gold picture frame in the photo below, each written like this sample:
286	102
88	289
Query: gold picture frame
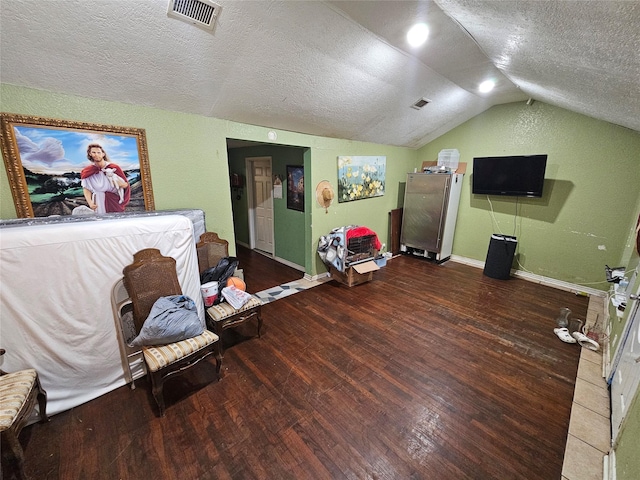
52	152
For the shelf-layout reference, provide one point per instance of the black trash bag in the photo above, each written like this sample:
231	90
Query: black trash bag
220	273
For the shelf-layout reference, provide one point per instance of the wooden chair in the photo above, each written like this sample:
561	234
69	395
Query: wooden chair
19	392
211	248
149	277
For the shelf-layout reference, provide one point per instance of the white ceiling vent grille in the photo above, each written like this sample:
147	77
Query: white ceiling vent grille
420	103
201	13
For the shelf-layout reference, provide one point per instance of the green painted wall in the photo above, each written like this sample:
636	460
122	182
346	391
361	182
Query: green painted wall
320	159
239	197
288	225
187	155
627	458
591	195
585	220
373	212
189	164
591	189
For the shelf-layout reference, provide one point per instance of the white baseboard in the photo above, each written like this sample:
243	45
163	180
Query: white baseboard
277	259
467	261
532	277
313	278
288	263
609	466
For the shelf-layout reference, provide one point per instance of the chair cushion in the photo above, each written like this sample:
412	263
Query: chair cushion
160	356
224	310
14	390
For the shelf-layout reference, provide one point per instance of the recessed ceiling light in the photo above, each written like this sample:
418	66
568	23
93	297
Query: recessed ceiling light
418	34
487	86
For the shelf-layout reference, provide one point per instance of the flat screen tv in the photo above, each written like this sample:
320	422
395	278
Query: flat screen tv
516	175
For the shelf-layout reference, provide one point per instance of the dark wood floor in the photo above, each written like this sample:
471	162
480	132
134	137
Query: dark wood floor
262	273
427	372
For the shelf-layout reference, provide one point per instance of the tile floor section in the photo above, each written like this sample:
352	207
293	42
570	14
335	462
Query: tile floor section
589	431
589	426
281	291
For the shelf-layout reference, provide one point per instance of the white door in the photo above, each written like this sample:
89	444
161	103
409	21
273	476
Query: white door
262	218
625	380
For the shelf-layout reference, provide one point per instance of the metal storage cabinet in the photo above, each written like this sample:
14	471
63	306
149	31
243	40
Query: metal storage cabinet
429	214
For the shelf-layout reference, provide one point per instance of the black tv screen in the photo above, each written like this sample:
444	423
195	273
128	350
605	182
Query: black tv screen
517	175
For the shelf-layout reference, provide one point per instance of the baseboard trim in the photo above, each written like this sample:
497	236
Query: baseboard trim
313	278
277	259
288	263
532	277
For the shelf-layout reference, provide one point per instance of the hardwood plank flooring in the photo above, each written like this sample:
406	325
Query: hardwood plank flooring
427	372
261	272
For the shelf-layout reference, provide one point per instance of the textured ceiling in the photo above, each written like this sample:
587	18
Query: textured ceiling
337	69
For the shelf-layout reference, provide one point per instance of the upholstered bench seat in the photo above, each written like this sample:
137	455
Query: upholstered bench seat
15	388
224	310
223	316
157	357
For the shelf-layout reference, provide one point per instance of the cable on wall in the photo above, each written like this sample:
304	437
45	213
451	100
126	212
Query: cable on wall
515	230
493	216
515	219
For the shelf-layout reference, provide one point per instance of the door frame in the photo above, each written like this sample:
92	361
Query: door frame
625	347
249	161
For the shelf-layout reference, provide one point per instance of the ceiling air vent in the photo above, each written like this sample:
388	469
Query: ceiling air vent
420	103
201	13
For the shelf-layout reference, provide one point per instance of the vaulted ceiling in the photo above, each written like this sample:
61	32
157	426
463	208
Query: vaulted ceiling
334	68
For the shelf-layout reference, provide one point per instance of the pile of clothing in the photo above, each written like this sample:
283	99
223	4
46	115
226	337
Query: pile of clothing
349	245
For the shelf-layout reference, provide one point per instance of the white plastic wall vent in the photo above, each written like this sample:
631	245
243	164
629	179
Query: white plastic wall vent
420	103
201	13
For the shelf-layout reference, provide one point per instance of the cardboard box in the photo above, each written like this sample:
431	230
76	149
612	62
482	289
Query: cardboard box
356	274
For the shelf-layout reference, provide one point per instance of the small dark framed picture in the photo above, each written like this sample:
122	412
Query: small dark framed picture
295	187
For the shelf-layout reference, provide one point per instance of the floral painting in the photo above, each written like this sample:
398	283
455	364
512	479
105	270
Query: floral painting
360	177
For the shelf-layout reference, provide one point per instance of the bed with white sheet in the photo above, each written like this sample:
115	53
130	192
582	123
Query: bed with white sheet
55	309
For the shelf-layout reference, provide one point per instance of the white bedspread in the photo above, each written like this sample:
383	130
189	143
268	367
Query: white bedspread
55	310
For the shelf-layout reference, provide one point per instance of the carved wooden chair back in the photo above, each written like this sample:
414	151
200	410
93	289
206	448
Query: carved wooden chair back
149	277
210	249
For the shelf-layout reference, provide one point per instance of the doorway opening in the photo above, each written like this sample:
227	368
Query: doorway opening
260	203
263	225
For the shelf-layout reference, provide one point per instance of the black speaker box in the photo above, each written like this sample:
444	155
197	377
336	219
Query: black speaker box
500	256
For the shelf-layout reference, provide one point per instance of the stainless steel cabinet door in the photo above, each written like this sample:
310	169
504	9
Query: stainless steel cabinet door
425	208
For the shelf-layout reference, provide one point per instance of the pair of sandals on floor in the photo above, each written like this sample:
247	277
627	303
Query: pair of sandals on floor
576	337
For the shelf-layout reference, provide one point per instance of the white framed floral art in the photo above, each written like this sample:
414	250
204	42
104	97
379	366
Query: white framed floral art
361	177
